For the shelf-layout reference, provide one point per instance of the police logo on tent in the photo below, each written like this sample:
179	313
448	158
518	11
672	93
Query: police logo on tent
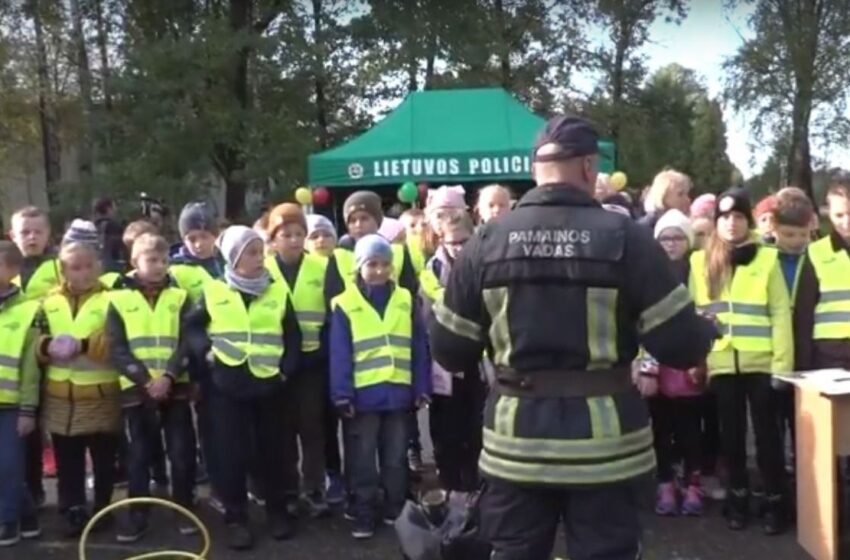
355	171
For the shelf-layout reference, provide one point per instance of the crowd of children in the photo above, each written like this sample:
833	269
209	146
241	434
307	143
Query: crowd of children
289	363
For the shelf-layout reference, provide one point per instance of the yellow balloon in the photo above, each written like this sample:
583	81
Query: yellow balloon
304	196
619	180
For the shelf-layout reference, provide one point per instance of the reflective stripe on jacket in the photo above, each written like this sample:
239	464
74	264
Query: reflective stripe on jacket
832	313
253	335
382	345
90	318
15	322
307	296
152	332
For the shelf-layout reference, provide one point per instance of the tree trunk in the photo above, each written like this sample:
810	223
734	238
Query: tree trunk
103	46
47	117
430	59
319	75
85	149
504	46
799	155
618	77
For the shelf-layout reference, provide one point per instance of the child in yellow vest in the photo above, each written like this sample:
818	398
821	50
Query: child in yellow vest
739	281
19	383
321	236
148	348
303	275
246	328
80	411
379	373
39	274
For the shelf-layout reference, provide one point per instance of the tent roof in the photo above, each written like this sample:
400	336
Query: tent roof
457	135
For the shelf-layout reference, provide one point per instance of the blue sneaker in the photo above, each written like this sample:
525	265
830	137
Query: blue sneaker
363	527
335	493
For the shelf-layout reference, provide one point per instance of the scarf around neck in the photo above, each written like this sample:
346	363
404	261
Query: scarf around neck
252	286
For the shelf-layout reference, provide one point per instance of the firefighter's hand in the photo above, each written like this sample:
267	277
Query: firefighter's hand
26	425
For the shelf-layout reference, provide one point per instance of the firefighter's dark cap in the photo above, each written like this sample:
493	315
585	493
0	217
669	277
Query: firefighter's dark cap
575	136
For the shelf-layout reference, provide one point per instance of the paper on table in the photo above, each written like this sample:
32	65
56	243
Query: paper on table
831	382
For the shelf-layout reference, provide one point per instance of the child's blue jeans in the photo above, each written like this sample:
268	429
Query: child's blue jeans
372	439
15	499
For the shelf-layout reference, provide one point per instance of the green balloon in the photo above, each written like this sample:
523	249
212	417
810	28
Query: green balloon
408	193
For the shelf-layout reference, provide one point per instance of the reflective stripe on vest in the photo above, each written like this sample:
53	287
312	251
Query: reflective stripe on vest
741	310
15	320
190	278
152	333
832	312
253	335
382	346
608	455
308	297
43	279
90	318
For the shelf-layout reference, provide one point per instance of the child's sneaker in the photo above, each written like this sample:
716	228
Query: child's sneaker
335	491
316	504
665	503
132	529
713	489
692	503
30	529
363	527
10	534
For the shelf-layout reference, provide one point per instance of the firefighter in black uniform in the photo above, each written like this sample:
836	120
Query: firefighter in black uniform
560	293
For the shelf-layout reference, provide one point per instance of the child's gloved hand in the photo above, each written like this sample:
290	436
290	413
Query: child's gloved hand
159	388
345	409
422	401
63	348
26	425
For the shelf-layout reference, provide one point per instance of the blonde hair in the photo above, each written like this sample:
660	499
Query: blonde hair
492	188
458	220
661	184
718	264
68	250
30	212
136	229
149	243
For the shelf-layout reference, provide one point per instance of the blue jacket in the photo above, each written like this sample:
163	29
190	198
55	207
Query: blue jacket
214	265
384	396
790	264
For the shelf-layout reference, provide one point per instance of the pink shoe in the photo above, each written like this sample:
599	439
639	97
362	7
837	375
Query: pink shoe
665	503
692	503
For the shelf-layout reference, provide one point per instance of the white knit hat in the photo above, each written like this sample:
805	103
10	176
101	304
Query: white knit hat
675	219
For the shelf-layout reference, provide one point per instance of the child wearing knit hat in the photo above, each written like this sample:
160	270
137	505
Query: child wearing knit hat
196	261
376	409
674	395
303	275
321	235
363	216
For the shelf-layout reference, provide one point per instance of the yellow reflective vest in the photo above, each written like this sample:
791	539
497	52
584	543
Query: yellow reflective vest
15	322
430	285
382	345
46	277
109	279
417	255
308	296
253	335
90	318
832	312
152	332
753	313
190	278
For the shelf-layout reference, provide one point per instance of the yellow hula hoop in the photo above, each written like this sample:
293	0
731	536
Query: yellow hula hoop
205	534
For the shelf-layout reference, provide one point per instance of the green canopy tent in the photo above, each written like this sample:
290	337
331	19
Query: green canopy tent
455	135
